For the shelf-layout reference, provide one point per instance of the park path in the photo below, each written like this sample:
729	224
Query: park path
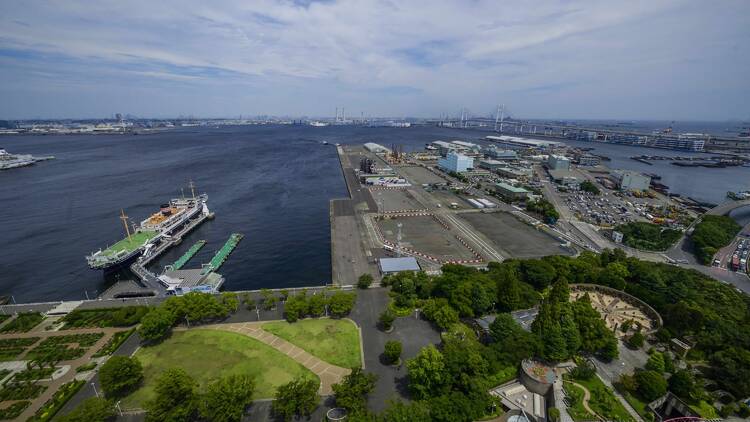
586	398
328	374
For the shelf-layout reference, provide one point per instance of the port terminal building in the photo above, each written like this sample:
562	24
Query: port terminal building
455	162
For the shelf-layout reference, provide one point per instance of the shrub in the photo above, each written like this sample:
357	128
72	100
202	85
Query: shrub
364	281
386	320
392	351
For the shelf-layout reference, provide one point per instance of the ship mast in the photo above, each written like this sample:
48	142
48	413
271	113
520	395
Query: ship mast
124	219
192	188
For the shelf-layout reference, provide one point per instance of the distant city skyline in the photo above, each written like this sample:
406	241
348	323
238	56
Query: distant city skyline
681	60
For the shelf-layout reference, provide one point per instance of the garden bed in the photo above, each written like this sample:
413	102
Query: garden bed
110	317
24	322
114	343
58	400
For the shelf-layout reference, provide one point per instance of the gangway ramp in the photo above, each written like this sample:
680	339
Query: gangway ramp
189	254
223	253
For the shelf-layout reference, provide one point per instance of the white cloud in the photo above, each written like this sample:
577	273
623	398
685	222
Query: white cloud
449	54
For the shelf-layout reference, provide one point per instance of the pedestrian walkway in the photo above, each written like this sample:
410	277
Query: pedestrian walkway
328	374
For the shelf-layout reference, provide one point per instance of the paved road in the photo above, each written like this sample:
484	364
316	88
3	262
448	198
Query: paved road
411	332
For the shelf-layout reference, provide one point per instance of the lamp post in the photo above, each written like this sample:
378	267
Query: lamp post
94	387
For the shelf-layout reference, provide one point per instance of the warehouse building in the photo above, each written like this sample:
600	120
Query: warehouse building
511	192
630	180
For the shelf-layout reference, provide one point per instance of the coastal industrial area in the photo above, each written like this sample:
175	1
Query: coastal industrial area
459	244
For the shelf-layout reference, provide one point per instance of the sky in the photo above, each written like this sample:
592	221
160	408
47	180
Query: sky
654	59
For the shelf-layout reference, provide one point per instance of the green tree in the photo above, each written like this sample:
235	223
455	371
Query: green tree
510	342
655	362
399	411
316	304
295	307
119	375
296	398
651	385
156	324
94	409
227	398
341	303
440	312
230	300
351	393
392	351
635	341
595	336
175	400
554	414
364	281
732	370
386	319
508	291
588	186
682	383
427	373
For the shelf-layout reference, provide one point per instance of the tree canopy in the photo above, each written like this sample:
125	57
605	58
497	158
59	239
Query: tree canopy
120	375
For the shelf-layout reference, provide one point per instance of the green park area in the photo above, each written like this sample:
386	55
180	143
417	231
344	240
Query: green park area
648	236
602	399
136	240
335	341
207	355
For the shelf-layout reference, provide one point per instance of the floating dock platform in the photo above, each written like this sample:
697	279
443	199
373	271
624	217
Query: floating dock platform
223	253
188	255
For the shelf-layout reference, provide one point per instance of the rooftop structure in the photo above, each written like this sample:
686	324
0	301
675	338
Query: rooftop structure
396	265
455	162
494	152
536	376
630	180
523	142
444	147
511	192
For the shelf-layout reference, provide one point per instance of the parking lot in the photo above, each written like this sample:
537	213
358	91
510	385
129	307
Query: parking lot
516	239
611	208
390	200
419	175
424	234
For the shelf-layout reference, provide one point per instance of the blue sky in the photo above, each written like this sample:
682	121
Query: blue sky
670	60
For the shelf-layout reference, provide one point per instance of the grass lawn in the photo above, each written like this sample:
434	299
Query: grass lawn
576	409
335	341
705	410
635	402
208	354
603	400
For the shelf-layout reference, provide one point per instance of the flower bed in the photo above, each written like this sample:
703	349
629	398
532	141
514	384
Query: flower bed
114	343
58	400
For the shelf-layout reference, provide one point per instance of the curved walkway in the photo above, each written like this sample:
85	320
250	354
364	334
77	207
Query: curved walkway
328	374
586	398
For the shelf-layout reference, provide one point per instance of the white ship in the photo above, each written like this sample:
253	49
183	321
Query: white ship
11	161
